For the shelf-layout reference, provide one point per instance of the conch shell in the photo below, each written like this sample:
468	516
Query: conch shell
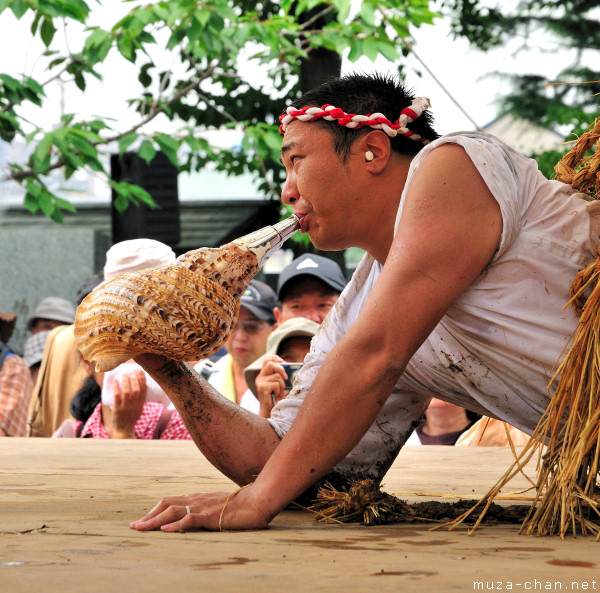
184	310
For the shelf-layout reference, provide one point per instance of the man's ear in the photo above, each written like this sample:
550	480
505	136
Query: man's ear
376	150
277	313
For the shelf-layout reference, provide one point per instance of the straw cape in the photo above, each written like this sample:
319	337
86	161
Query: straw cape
566	490
567	437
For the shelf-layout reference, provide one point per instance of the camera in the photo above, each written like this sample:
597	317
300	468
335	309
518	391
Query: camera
291	369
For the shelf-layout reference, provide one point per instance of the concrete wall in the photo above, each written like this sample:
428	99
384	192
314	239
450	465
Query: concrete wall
41	262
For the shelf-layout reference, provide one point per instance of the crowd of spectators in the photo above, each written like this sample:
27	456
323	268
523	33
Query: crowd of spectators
50	391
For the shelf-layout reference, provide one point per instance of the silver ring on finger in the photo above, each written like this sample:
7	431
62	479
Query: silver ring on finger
187	509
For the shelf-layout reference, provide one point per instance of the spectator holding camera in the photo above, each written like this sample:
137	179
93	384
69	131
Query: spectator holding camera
269	378
307	288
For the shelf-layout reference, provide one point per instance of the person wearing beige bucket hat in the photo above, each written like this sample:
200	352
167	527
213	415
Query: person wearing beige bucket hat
267	378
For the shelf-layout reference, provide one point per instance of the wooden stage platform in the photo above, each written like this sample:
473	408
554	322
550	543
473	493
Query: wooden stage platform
66	504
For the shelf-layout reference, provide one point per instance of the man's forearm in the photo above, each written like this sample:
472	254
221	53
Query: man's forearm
236	441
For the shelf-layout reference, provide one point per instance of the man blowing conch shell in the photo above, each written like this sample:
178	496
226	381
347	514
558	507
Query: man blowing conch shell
470	253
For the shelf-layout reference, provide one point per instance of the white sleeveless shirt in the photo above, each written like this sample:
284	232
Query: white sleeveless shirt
495	349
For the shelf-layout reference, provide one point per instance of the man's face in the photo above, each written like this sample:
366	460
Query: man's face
322	189
294	349
248	341
308	297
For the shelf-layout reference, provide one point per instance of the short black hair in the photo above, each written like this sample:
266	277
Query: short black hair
88	396
363	94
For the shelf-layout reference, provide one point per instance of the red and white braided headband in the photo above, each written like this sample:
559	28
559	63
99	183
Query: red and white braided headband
377	121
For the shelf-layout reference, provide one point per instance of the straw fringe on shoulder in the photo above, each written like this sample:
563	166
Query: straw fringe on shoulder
567	436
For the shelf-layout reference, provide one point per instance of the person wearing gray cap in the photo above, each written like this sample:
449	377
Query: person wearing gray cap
50	313
245	344
308	287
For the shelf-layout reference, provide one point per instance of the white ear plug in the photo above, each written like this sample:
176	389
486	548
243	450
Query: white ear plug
369	156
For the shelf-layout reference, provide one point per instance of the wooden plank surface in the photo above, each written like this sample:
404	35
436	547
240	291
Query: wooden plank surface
66	505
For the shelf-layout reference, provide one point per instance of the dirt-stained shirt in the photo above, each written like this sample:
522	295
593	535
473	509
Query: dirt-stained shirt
495	349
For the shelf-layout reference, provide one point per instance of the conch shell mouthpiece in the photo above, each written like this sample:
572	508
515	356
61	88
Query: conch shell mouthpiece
184	311
266	241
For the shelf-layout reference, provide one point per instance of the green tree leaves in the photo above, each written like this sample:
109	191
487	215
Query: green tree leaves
201	65
570	26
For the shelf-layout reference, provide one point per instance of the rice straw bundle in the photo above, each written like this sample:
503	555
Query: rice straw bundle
579	169
363	502
571	426
567	490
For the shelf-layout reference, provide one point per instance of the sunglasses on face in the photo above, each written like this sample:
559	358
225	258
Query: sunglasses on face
250	328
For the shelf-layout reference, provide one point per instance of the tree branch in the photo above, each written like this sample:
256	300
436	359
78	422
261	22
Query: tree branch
317	16
19	176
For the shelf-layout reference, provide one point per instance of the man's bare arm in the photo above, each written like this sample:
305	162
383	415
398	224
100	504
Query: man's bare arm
448	232
235	441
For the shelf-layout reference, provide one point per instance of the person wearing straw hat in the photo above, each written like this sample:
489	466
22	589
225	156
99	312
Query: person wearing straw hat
470	253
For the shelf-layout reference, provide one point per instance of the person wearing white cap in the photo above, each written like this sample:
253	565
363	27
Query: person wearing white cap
136	254
62	372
